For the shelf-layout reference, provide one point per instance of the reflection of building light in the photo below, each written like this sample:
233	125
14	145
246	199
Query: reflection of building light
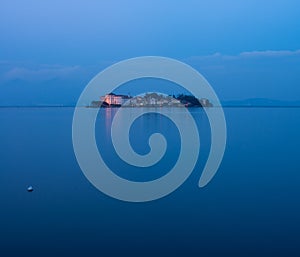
108	120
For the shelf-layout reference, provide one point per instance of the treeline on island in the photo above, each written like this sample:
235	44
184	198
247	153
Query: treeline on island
192	101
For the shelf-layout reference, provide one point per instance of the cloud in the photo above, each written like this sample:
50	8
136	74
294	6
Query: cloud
269	53
220	62
44	72
250	54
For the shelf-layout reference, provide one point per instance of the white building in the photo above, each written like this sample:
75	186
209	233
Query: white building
113	99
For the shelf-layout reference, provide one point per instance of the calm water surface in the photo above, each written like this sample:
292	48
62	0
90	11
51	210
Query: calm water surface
250	208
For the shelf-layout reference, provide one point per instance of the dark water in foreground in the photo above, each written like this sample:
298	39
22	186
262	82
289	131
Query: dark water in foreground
250	208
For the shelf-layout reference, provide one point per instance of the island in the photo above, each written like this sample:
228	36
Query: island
150	100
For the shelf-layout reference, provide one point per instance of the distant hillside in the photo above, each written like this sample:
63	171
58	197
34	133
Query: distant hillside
260	102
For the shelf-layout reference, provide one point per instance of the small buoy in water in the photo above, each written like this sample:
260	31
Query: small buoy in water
30	189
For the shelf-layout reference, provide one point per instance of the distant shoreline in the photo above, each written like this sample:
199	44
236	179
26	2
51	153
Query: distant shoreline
248	103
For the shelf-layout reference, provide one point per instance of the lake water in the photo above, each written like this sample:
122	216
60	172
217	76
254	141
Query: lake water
250	208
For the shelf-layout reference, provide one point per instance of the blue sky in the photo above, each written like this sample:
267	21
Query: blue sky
49	50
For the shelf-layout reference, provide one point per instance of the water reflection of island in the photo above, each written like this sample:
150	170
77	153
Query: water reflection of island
150	100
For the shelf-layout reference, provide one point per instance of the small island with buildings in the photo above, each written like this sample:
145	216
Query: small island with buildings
150	100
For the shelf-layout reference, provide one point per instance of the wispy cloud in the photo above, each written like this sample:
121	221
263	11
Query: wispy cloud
270	53
45	72
249	54
42	72
29	71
